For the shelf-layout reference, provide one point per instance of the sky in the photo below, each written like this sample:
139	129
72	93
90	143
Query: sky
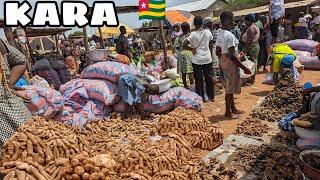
130	19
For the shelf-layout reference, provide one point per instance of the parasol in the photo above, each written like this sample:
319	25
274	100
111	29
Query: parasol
108	32
176	16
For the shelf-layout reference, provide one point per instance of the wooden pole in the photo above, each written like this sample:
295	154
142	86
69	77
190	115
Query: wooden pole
85	39
57	43
9	35
163	40
101	39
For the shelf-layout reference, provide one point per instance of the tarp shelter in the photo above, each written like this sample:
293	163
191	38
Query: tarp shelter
265	9
107	32
316	9
37	32
176	16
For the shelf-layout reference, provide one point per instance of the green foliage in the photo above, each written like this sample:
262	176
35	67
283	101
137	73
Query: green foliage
76	33
241	4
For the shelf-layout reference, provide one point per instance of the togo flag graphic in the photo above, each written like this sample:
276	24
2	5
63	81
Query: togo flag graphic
152	9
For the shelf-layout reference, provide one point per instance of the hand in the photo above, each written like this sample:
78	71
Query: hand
194	51
247	71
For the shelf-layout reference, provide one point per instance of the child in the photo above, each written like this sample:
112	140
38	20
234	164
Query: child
229	62
185	56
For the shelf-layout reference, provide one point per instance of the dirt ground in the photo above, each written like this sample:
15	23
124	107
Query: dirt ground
246	101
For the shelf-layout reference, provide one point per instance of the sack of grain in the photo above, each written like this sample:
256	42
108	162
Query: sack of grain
175	97
110	71
303	45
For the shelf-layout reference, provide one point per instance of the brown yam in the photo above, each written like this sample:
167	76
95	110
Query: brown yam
21	175
79	170
75	177
85	176
94	176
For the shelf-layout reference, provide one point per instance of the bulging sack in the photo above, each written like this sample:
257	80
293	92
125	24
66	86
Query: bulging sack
310	62
109	70
303	45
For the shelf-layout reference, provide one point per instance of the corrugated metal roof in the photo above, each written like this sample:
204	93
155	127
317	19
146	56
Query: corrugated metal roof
193	6
263	9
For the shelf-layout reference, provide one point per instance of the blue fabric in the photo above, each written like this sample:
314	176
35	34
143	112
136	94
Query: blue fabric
285	122
288	60
22	82
130	89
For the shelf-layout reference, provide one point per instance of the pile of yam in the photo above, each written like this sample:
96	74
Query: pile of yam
165	147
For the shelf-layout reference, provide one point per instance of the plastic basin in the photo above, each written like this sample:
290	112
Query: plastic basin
309	171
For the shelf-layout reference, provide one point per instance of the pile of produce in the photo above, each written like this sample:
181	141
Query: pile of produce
312	160
282	164
164	148
272	161
252	127
216	171
285	137
284	99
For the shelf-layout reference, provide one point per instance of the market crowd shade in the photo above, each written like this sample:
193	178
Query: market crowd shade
72	14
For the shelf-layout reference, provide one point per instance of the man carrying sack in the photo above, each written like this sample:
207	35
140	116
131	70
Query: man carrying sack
13	112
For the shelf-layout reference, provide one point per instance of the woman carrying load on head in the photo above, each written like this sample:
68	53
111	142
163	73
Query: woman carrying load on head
13	112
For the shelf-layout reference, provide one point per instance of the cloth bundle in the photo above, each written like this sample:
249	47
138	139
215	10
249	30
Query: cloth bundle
285	123
45	102
101	91
109	70
175	97
310	62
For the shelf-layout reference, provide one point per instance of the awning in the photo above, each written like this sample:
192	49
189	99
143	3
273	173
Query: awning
264	9
107	32
36	32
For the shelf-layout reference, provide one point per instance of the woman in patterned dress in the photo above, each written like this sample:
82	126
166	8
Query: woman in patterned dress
13	112
226	50
185	56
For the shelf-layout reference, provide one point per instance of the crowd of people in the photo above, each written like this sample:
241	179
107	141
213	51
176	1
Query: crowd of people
219	48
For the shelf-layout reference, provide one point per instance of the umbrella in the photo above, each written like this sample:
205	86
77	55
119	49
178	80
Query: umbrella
316	20
176	16
107	32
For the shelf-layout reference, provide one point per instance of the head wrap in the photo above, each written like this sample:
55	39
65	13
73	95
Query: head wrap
251	17
288	60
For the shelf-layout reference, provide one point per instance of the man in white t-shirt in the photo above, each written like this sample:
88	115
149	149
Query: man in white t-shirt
201	42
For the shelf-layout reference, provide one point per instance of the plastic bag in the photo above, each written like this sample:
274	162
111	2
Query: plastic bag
250	65
172	73
268	79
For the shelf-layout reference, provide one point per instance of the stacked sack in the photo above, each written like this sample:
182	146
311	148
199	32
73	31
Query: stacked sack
163	102
306	52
